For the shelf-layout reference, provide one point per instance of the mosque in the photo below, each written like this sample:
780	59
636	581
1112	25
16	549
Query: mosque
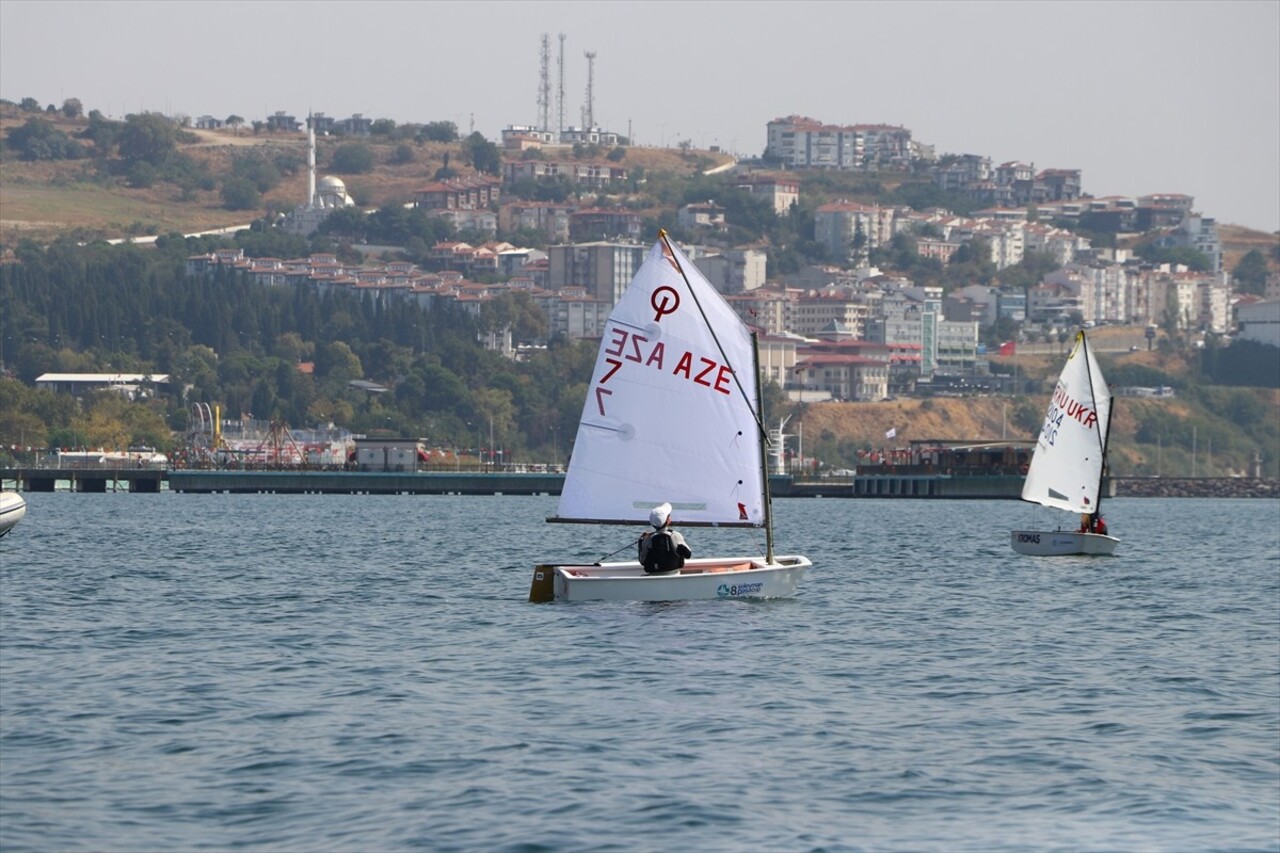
322	199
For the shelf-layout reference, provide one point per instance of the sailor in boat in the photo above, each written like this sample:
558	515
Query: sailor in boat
664	550
1093	523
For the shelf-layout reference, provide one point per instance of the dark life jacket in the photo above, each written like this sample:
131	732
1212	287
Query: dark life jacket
662	556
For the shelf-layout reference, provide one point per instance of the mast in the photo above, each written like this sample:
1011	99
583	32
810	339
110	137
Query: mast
1102	437
761	440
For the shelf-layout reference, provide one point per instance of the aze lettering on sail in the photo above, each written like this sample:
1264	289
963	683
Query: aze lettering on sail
625	347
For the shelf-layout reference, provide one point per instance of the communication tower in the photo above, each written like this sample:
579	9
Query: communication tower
544	84
588	109
560	91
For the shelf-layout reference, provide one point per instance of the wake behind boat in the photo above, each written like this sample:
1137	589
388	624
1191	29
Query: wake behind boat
1070	459
672	415
12	510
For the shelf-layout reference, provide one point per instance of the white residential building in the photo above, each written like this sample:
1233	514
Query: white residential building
781	193
1259	321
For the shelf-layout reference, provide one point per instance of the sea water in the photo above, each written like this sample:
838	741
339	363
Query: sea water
218	672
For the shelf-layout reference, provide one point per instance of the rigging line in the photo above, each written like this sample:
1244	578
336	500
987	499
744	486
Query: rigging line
619	551
758	416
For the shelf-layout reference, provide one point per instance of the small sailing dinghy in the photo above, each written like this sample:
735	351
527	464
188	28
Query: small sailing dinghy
1070	458
673	415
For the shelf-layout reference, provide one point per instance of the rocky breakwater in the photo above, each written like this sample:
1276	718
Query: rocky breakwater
1196	487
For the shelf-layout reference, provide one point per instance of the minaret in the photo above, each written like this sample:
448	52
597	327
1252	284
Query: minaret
311	162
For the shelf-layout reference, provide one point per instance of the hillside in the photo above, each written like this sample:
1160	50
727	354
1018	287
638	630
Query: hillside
1221	427
42	200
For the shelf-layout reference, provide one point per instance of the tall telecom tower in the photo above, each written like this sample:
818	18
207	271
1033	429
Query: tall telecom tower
544	84
588	109
560	92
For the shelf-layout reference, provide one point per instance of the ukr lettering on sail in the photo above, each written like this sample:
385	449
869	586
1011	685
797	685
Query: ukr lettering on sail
1073	408
1062	407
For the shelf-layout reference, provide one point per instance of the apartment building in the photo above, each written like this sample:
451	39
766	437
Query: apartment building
850	230
602	269
546	218
600	223
781	193
844	377
573	312
805	143
459	194
735	270
598	174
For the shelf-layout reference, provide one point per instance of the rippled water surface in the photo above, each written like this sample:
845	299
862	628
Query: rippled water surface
215	672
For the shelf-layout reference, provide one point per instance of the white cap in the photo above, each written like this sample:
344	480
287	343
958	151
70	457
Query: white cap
660	515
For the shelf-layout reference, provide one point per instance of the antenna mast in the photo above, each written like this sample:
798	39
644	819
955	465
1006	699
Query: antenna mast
544	84
588	110
560	92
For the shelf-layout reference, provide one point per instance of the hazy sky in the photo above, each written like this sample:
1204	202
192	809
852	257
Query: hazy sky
1144	97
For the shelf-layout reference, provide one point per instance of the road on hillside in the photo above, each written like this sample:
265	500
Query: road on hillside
1112	339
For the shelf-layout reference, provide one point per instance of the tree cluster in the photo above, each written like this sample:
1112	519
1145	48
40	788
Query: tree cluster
223	339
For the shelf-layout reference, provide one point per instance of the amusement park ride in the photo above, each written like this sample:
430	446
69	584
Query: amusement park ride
209	447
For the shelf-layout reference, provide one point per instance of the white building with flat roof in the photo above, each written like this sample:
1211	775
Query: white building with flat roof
1259	321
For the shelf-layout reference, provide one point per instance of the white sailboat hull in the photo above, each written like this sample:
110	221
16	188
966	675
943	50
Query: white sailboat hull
1061	543
700	579
12	509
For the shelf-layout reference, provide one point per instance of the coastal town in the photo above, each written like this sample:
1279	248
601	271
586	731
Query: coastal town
839	331
872	267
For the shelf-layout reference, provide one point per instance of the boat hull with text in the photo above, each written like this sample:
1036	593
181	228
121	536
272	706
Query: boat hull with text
700	579
1062	543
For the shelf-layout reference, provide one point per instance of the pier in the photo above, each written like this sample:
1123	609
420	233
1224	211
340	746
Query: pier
97	480
875	483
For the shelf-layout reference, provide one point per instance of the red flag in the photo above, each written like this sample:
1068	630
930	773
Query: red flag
742	512
1007	348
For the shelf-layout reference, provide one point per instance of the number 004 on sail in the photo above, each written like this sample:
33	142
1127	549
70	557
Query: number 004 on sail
1070	459
672	415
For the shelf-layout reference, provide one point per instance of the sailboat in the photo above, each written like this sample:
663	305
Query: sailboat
672	415
1070	458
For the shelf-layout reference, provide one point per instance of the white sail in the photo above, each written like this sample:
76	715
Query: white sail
669	414
1066	470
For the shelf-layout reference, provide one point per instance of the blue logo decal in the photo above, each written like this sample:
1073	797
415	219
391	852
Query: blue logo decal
739	590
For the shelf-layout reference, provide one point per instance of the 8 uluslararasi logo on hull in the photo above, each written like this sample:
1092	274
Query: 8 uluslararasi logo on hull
738	590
